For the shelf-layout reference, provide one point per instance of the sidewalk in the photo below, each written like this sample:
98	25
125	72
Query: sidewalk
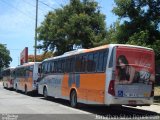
155	108
152	108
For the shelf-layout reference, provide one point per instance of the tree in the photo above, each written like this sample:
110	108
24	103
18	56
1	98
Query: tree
5	58
41	57
79	23
140	23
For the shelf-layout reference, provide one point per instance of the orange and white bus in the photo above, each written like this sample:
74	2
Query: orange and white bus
8	78
26	77
112	74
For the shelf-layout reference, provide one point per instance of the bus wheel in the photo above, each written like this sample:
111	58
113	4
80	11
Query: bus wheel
45	92
25	90
73	99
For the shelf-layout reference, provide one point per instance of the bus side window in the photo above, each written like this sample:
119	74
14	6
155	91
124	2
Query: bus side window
24	72
90	63
40	68
77	63
62	65
55	66
83	63
105	57
48	67
58	66
102	61
31	70
43	68
72	64
95	58
67	66
51	67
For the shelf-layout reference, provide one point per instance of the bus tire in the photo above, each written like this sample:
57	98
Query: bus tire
25	90
4	86
73	99
45	92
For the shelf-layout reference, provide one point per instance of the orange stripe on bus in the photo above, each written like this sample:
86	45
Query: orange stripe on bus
92	87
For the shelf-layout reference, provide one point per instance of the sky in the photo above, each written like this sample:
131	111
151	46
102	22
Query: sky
17	22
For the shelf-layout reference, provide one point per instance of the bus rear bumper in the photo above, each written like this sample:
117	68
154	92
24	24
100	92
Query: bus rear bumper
129	101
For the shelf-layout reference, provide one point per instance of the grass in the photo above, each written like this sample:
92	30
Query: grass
157	94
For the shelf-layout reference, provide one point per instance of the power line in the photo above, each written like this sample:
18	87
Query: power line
46	4
34	6
64	1
29	3
49	5
17	9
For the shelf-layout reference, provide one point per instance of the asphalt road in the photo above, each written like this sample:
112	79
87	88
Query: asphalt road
18	106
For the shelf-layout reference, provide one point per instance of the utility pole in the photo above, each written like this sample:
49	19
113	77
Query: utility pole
36	21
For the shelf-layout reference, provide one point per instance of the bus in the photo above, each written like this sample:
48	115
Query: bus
26	77
113	74
8	78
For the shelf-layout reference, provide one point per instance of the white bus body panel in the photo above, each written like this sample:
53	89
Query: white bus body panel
53	83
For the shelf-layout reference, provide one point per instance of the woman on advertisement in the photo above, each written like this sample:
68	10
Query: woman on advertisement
127	74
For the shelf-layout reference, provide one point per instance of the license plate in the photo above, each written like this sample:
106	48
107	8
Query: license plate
131	95
132	102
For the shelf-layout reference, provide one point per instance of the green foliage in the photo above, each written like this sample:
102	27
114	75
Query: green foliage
140	23
5	58
139	38
79	23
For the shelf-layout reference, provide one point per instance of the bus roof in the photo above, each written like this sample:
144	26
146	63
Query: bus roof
27	64
78	51
127	45
11	68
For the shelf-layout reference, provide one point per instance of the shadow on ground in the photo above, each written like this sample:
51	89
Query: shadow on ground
119	111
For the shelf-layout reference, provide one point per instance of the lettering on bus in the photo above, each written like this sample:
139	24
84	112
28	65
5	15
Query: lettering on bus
53	80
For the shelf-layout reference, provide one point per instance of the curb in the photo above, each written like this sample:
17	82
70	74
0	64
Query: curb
156	104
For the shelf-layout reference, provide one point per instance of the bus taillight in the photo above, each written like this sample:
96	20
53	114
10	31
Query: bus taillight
111	89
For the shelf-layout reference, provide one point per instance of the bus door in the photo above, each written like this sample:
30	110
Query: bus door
135	72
